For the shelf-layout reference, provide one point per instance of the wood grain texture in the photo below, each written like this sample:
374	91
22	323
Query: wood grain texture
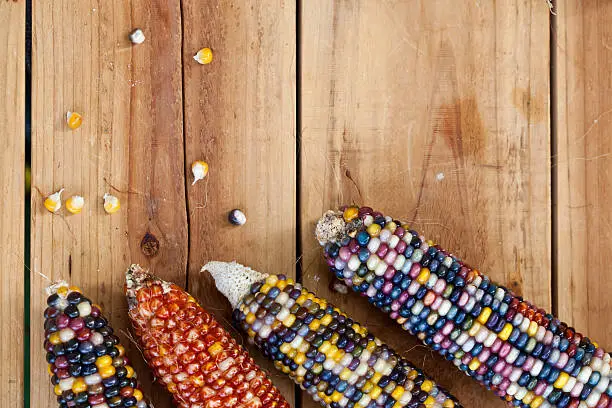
130	145
583	42
12	165
438	115
240	119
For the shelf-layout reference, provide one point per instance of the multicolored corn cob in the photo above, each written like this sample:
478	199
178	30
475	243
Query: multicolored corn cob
190	353
324	351
88	365
525	355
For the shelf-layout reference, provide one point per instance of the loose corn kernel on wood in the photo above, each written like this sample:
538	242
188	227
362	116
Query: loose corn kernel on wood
377	377
199	169
74	120
523	354
202	366
111	203
53	202
75	204
204	56
86	362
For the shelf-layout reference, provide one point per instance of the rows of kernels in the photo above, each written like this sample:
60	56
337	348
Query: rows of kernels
329	355
522	353
88	365
193	356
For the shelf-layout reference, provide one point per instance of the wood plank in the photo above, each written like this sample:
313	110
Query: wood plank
583	42
437	115
240	119
130	145
12	165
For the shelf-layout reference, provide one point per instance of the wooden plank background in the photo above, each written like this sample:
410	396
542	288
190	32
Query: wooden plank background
12	183
437	114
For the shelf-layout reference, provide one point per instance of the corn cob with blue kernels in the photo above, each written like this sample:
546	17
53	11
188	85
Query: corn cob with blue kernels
522	353
87	364
334	359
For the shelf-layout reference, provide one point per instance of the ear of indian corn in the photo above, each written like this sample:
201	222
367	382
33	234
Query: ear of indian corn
522	353
335	359
87	364
190	353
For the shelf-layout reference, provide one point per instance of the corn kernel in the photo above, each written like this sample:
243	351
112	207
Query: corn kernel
427	386
430	402
423	276
215	348
130	371
104	361
54	338
204	56
138	394
111	203
537	401
504	334
79	385
350	214
74	120
374	230
57	390
54	201
484	315
561	380
108	371
75	204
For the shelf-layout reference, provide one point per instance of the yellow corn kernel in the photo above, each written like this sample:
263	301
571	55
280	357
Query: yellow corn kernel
292	353
57	390
375	393
137	394
285	348
323	348
374	230
281	285
427	386
314	325
54	338
350	214
265	288
79	385
332	351
367	387
430	402
371	346
338	355
111	203
74	120
199	169
121	349
537	401
532	329
397	392
528	397
204	56
345	374
448	404
289	320
561	380
325	320
334	338
301	299
504	334
108	371
336	396
74	289
474	329
250	318
300	358
391	226
484	315
104	361
75	204
130	371
63	291
474	364
423	276
49	369
376	377
215	348
54	201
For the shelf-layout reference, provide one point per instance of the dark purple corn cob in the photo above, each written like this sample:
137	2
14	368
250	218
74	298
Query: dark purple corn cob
523	354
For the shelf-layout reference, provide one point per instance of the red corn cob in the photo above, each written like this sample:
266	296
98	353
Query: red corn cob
190	353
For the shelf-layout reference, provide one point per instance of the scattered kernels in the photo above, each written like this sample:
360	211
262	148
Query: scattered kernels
74	120
111	203
54	201
75	204
204	56
199	169
137	36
